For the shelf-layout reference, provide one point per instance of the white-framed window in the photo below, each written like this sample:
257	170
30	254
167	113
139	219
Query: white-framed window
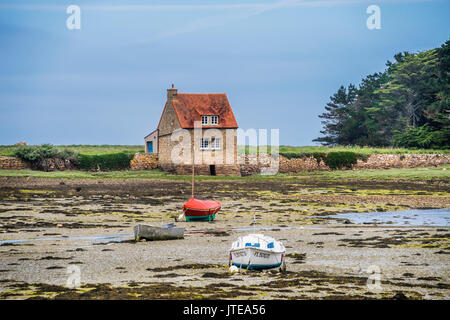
212	120
215	143
204	143
207	144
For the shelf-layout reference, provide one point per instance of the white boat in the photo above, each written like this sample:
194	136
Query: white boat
165	232
257	251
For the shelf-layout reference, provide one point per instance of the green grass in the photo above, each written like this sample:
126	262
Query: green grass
6	150
360	150
83	149
425	173
428	173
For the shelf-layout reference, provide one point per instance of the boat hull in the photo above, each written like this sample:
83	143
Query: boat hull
200	215
252	258
157	233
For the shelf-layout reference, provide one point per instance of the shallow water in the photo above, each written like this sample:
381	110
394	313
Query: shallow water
113	238
417	217
125	237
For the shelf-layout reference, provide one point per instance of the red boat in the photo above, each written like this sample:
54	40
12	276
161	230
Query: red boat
201	210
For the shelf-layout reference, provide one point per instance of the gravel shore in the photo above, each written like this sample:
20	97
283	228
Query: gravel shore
326	258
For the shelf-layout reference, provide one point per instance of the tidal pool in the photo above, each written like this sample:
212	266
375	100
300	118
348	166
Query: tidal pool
416	217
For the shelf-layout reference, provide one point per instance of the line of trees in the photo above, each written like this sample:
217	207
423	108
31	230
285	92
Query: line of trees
407	105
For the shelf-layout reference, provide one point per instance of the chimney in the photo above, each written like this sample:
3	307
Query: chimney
171	93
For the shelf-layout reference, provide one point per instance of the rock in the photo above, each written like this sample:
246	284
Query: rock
144	161
399	296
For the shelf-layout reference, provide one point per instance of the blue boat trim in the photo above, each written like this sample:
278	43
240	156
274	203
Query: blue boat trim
256	266
255	245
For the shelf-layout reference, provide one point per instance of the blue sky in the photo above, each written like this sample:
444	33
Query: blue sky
278	61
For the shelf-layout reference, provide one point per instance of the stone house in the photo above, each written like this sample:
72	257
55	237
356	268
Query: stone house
198	127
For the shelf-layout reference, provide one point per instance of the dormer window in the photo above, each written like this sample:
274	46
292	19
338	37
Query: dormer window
211	120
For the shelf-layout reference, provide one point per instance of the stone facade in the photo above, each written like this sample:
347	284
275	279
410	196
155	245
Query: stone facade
177	148
179	161
177	145
153	138
202	169
168	124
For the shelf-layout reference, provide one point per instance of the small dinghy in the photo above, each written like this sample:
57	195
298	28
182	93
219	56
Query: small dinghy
200	210
165	232
257	251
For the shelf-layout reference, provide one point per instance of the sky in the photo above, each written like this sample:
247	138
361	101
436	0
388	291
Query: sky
278	61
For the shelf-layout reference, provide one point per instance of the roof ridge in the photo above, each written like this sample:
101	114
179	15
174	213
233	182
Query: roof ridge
201	93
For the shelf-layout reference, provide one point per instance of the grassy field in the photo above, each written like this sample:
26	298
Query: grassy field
427	173
102	149
360	150
83	149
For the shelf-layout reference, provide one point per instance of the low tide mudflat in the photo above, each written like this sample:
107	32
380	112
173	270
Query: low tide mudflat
88	223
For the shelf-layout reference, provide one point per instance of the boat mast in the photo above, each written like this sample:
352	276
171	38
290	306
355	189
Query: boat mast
193	150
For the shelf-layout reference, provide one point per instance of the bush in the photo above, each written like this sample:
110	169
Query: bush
107	161
36	155
72	156
339	160
294	155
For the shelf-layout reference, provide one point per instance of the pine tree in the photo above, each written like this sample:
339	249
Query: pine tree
336	115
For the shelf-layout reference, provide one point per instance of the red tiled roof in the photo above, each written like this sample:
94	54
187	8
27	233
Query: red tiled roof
191	107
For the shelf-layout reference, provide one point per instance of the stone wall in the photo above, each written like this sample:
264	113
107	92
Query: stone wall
144	161
44	165
56	164
251	164
385	161
13	163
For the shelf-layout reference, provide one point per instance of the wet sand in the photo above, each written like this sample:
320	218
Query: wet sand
326	258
